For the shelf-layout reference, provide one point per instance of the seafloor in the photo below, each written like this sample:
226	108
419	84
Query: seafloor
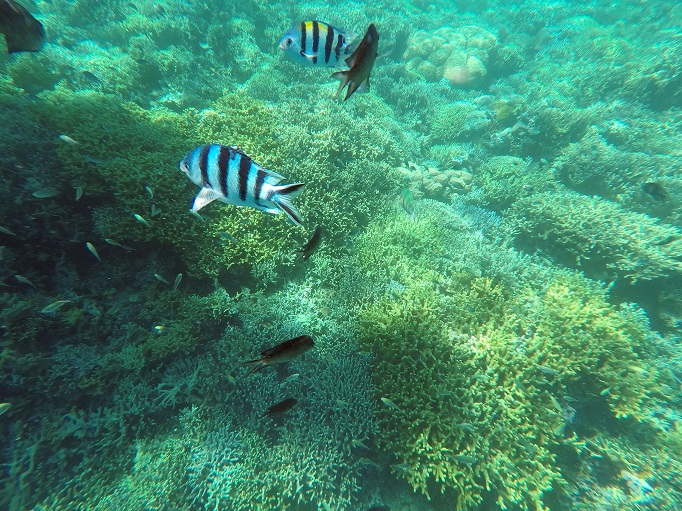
504	337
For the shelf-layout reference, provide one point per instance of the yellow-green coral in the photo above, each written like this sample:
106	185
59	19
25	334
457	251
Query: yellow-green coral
478	369
602	237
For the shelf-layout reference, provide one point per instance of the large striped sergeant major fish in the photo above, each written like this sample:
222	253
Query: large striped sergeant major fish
227	174
316	43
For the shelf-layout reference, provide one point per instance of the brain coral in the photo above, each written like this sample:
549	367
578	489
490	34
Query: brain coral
461	56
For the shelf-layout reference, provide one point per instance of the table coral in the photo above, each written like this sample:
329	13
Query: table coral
599	236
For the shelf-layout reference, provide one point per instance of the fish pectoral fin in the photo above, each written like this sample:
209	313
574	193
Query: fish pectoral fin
363	88
309	56
205	196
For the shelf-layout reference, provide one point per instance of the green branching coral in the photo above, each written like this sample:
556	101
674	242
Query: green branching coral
594	167
477	368
469	418
601	237
501	180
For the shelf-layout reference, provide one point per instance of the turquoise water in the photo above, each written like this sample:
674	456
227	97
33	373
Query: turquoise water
494	301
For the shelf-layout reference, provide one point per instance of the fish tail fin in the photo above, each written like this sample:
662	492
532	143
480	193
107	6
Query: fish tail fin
343	77
256	365
283	196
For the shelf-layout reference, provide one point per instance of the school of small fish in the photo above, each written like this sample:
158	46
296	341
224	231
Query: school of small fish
229	175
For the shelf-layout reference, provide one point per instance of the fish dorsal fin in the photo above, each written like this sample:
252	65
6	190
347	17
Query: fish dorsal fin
204	197
271	176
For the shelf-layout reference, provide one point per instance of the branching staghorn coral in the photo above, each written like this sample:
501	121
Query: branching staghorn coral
601	237
477	368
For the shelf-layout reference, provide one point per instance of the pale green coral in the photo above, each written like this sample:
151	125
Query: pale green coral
601	237
478	368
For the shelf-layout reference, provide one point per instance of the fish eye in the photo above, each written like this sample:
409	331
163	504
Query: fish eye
289	41
184	166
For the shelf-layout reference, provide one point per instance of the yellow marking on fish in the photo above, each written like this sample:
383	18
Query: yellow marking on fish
141	219
54	306
93	250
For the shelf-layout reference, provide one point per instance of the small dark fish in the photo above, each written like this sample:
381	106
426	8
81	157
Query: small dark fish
360	63
309	248
407	202
91	77
22	31
283	352
280	408
656	191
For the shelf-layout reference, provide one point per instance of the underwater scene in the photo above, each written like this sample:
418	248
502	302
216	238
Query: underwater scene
341	255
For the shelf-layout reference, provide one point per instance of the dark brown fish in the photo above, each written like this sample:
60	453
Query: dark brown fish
309	248
22	31
656	191
283	352
360	63
280	408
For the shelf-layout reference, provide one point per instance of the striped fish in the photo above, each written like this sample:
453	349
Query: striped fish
227	174
316	43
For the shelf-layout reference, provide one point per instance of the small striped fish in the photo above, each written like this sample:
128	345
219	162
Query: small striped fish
316	43
227	174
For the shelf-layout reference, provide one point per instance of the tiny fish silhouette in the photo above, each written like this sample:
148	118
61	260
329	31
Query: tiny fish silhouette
656	191
283	352
280	408
309	248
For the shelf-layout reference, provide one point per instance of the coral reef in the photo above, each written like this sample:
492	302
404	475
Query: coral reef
434	183
477	370
461	56
460	360
605	240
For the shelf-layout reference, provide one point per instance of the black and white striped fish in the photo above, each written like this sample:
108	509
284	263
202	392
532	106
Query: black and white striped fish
316	43
227	174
